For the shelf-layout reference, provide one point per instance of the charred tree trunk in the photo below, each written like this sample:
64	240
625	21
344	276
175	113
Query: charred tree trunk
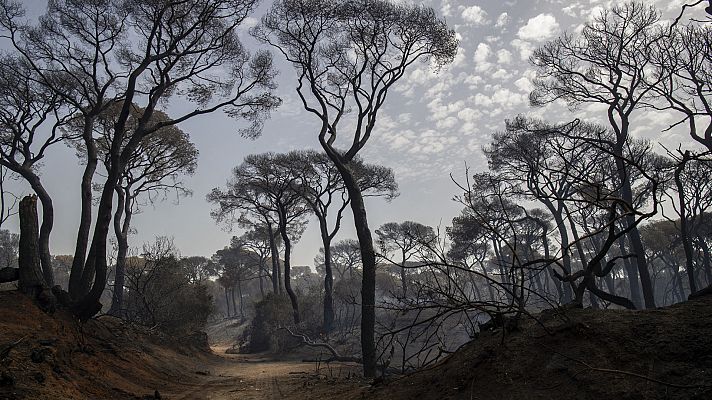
706	261
239	295
566	290
328	287
550	273
368	283
368	258
47	223
490	286
505	281
234	305
287	263
31	281
404	279
610	283
94	275
262	277
96	264
684	224
227	303
632	275
634	236
677	281
275	257
121	229
80	251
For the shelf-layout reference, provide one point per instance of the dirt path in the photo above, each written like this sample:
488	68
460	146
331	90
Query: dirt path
248	377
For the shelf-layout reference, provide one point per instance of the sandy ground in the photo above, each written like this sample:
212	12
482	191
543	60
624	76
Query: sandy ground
661	354
55	358
247	377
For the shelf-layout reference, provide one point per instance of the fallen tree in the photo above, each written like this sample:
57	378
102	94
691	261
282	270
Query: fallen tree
335	356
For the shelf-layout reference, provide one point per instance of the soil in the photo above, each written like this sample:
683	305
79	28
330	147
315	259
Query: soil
574	354
256	377
52	358
577	354
57	358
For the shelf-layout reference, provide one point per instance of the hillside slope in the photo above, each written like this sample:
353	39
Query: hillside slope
586	354
105	359
582	354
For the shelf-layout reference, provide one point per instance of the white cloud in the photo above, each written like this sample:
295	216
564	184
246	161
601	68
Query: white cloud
482	54
539	28
504	56
502	20
446	8
501	74
571	10
474	80
469	114
482	100
460	58
508	98
525	48
446	123
475	15
524	84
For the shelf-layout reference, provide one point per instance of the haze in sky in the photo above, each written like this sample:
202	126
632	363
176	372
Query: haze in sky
435	123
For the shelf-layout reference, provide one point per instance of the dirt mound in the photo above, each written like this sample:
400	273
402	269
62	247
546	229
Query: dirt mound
226	332
53	357
581	354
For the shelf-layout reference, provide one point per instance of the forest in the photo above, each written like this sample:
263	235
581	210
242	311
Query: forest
579	261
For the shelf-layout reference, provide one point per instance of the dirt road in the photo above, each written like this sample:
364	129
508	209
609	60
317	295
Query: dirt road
248	377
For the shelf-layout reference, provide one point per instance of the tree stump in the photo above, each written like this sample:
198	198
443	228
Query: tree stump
31	281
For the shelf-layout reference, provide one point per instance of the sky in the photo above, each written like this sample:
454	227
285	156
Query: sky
434	125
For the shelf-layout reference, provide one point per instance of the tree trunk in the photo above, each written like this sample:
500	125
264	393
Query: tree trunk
404	281
287	263
239	295
684	225
505	281
368	283
227	303
610	283
328	287
96	264
368	258
262	277
31	281
567	296
632	274
550	272
94	275
46	227
275	257
634	234
475	290
490	286
706	262
677	281
121	229
80	251
234	305
279	275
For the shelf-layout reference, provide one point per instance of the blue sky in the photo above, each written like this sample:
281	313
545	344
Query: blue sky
433	124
